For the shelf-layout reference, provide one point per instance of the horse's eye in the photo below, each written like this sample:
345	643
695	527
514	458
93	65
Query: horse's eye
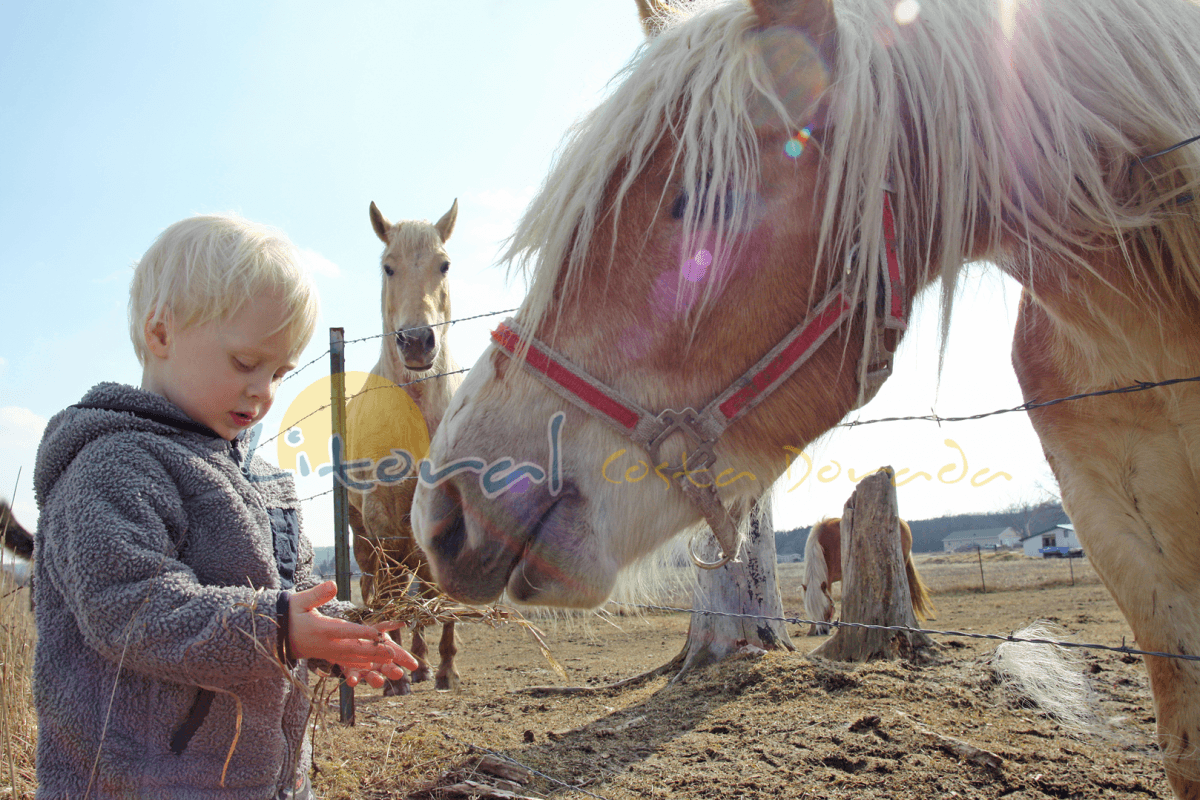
679	206
445	267
388	270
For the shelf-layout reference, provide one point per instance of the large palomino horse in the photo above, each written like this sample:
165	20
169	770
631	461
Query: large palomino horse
727	248
823	568
416	313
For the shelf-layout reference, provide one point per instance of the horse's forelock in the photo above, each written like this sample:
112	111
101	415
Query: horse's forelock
691	86
412	236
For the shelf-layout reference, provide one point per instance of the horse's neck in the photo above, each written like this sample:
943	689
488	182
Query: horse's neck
1115	328
431	394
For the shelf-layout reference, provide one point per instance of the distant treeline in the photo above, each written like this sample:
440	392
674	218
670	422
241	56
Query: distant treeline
929	533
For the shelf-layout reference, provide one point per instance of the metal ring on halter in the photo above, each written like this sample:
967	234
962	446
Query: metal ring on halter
700	562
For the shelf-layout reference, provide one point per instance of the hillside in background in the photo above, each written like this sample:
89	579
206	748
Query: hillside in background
928	533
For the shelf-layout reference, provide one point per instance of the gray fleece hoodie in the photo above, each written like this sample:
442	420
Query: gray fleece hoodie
162	553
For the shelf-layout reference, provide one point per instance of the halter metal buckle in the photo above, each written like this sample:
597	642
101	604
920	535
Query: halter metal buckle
670	421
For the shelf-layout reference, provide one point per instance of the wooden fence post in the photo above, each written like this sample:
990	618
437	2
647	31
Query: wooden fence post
341	501
747	587
874	582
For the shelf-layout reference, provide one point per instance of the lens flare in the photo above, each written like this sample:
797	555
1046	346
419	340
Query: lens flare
795	145
906	11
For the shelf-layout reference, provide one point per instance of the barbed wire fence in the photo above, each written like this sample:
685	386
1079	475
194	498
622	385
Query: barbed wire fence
1123	649
1138	386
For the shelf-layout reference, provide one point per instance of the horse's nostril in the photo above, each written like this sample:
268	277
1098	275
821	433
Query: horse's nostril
429	339
449	526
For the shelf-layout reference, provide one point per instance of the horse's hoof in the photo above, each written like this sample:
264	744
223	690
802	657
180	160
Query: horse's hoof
446	683
422	674
396	688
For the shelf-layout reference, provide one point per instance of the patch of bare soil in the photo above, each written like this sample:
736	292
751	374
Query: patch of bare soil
776	725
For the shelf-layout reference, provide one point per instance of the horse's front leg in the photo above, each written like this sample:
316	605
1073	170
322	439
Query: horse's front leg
447	676
419	651
1128	467
396	687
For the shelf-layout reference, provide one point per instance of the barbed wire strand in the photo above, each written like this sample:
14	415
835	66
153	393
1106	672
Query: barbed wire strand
329	405
1140	386
907	629
298	370
422	327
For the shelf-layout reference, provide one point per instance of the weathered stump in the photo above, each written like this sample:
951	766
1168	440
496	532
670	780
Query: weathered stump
749	587
874	582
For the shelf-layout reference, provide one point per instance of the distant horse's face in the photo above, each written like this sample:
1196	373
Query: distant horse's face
416	294
669	321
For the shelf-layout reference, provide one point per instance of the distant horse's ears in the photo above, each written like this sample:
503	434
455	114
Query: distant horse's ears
445	225
653	14
814	17
380	223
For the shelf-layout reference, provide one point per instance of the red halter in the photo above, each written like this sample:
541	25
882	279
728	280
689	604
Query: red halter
649	430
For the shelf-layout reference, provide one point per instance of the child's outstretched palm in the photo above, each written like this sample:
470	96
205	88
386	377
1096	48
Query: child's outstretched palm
362	651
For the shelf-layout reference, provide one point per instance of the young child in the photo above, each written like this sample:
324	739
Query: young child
175	600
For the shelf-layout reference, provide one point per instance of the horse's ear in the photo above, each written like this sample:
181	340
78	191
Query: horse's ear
653	14
380	223
445	225
814	17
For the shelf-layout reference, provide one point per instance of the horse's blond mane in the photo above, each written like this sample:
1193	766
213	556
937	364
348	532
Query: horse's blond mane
1010	129
411	235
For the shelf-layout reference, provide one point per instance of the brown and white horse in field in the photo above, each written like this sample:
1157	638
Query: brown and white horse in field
416	308
823	568
771	166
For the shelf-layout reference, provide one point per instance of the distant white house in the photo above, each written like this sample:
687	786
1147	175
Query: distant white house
1058	536
986	539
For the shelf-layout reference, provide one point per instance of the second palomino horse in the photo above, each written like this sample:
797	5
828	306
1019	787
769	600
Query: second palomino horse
402	405
823	568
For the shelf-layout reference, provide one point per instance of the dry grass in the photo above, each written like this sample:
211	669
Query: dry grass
18	720
379	757
389	752
959	573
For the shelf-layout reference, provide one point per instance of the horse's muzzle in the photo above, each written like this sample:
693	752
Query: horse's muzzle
418	347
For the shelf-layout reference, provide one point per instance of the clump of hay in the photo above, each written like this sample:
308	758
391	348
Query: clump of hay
1052	679
415	611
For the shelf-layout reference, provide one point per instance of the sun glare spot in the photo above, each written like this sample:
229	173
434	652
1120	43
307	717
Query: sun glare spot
694	268
906	11
1008	17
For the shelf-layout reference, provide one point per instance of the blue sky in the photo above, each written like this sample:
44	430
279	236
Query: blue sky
121	118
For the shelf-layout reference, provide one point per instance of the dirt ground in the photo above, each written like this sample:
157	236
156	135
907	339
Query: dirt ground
775	725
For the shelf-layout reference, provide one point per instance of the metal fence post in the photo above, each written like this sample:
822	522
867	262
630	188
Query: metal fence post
341	502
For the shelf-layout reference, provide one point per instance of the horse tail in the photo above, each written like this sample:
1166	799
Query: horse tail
16	538
918	592
818	602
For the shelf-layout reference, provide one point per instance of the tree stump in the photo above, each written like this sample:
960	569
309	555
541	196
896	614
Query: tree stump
747	587
874	582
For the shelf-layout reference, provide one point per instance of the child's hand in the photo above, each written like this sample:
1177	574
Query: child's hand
362	651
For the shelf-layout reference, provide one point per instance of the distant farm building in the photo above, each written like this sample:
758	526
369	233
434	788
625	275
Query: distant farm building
985	539
1060	536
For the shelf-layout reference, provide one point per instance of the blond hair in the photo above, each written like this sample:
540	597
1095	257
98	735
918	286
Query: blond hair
204	268
1032	127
